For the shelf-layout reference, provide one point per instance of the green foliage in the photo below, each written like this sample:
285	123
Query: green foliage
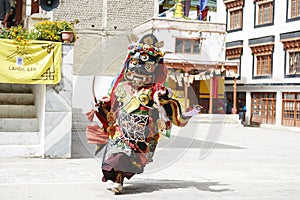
16	33
45	30
51	31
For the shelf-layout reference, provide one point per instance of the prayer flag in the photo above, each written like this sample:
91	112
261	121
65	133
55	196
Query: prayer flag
203	4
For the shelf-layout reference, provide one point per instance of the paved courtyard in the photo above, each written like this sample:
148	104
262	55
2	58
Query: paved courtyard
200	161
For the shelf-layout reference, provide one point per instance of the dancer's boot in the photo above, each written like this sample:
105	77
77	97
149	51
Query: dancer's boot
118	185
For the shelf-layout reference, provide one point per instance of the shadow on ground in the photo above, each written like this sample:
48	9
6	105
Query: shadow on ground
81	149
151	185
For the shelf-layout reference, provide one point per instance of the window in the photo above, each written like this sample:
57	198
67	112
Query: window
179	46
265	13
187	46
236	19
191	46
235	14
294	63
263	66
291	109
263	56
291	44
295	8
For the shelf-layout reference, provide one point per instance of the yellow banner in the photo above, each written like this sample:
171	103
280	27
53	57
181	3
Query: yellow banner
30	62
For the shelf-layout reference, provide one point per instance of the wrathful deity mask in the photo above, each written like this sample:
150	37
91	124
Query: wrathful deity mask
143	64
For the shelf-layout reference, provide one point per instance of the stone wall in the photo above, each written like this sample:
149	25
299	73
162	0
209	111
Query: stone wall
88	12
125	14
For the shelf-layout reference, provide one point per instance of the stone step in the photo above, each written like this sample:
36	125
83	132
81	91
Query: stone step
16	99
19	138
17	111
15	88
19	125
24	151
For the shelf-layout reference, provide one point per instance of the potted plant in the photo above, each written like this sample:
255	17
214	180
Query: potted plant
67	30
60	31
45	30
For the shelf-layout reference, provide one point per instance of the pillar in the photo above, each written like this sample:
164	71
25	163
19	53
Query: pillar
234	96
186	84
210	96
58	110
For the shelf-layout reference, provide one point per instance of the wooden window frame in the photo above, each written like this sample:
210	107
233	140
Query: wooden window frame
184	40
262	11
268	110
291	46
262	63
261	51
293	66
255	105
233	15
233	6
293	5
263	107
296	8
291	110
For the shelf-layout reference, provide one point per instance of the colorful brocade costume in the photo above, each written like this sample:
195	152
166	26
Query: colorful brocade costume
138	110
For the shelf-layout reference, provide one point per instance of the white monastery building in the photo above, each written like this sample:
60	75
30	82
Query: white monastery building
264	36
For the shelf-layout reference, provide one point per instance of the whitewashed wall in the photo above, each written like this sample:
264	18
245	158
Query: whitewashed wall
167	30
249	32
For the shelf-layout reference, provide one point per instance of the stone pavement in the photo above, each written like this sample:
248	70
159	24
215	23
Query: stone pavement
200	161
